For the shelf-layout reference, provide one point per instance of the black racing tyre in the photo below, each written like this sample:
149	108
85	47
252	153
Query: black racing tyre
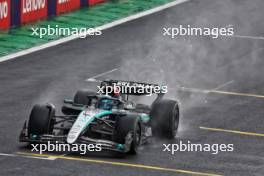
165	118
124	125
41	119
81	97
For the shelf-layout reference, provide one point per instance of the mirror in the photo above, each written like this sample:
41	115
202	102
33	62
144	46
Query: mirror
68	101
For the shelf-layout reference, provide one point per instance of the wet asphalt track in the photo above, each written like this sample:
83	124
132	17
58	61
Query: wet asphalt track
194	62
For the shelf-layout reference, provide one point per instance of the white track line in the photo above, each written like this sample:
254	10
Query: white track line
104	27
248	37
42	158
93	79
14	155
223	85
7	154
188	89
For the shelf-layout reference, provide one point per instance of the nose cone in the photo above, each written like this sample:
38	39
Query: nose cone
71	138
79	125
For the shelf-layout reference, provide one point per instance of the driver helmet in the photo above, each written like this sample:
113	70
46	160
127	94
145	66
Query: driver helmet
112	91
106	104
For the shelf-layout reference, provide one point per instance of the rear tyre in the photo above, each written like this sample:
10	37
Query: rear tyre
125	125
165	118
81	97
41	119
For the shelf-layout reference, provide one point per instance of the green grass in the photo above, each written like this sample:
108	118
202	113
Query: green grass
20	38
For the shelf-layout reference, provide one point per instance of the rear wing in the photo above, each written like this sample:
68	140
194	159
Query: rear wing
135	88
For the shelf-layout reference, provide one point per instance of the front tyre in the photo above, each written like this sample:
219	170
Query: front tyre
41	120
124	126
165	118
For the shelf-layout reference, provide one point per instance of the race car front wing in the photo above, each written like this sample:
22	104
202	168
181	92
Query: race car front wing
105	144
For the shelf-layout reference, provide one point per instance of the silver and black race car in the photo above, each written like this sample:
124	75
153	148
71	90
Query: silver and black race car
114	122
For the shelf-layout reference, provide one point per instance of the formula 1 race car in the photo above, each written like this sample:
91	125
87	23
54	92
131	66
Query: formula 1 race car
113	121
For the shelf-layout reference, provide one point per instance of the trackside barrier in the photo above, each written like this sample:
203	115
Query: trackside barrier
32	10
94	2
5	14
64	6
14	13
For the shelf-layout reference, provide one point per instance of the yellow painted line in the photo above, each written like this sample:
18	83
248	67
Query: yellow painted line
121	164
237	94
220	92
233	131
195	90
